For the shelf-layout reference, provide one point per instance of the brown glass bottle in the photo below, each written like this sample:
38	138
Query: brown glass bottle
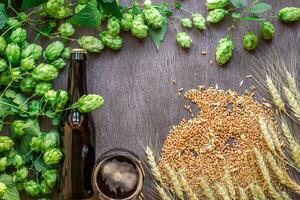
79	135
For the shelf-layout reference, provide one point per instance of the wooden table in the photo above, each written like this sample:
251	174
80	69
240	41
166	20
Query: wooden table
142	104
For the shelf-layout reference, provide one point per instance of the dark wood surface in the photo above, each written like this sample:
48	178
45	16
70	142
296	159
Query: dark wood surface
142	103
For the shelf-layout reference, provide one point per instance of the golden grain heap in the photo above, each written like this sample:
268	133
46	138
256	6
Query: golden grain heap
221	137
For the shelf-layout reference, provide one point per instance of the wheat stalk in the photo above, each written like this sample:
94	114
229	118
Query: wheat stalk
187	188
175	181
275	94
257	192
229	184
265	172
281	174
266	135
291	99
292	143
162	193
222	191
207	191
153	165
243	195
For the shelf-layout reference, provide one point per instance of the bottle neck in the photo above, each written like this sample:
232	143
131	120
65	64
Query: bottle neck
77	84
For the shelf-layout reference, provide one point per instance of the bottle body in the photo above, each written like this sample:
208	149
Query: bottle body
79	135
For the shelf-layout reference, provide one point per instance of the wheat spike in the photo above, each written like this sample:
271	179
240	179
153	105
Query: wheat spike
175	181
257	192
187	188
207	191
292	84
282	175
243	195
291	99
162	193
222	191
153	165
291	142
265	172
266	135
229	183
276	140
275	94
285	196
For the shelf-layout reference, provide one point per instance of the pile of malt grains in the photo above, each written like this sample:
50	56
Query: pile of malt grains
222	134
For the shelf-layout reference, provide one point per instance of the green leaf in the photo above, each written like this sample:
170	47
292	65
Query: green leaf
45	31
3	16
135	9
56	120
89	16
177	5
110	7
157	36
239	3
163	9
39	164
10	94
32	127
11	192
236	15
31	3
252	18
260	8
24	149
21	101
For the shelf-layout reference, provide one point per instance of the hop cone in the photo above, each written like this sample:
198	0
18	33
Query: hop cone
250	41
199	21
224	50
289	14
184	40
89	103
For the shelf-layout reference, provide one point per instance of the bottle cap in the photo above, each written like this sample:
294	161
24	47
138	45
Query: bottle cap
78	51
78	54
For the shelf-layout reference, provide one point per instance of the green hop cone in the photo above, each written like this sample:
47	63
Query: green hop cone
5	78
13	53
91	44
113	26
216	16
66	53
83	1
3	163
27	64
3	45
50	95
18	128
62	99
52	156
3	65
199	21
57	9
35	143
51	177
42	87
27	84
45	189
113	42
250	41
21	174
289	14
153	17
5	143
32	188
22	17
78	8
3	189
224	50
139	29
89	103
45	72
66	30
214	4
54	50
147	4
51	140
18	161
184	40
59	63
16	74
186	23
13	23
267	30
126	21
33	50
18	36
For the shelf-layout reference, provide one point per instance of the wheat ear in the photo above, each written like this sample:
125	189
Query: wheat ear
175	181
265	172
266	135
207	191
222	191
282	175
291	99
293	85
276	140
229	184
275	94
162	193
285	196
243	195
187	188
292	143
153	165
257	192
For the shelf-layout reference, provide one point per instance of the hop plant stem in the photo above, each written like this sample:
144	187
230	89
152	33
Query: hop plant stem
275	94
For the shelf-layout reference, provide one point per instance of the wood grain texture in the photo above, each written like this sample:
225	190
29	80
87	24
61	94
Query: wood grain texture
142	104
